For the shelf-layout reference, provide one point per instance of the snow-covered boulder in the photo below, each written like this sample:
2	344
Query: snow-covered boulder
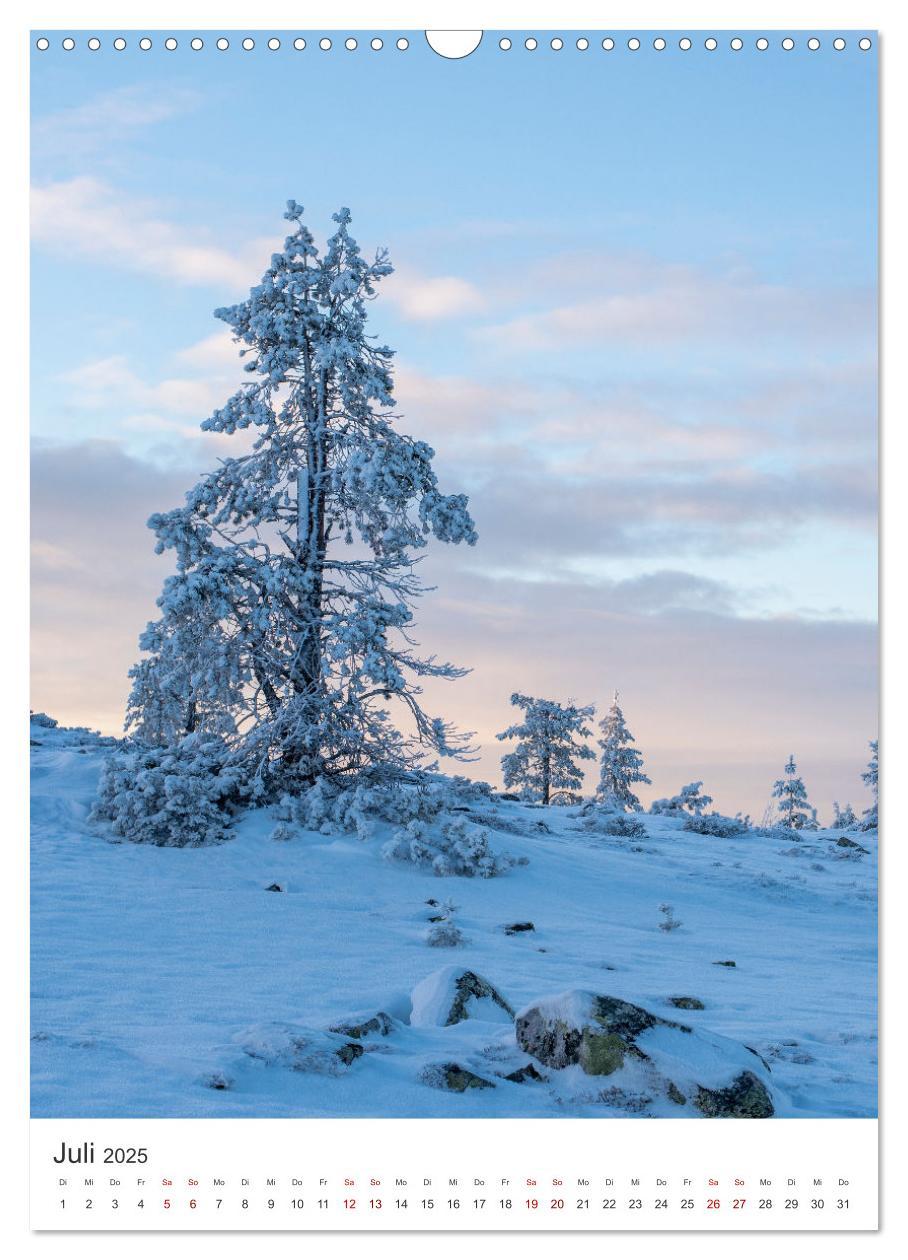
299	1049
605	1035
453	994
360	1026
453	1077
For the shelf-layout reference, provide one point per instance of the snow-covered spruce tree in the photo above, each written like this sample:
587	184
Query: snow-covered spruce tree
545	759
794	810
286	629
620	765
843	817
870	819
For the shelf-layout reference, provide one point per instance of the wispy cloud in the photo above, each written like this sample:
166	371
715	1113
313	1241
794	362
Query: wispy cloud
87	217
639	300
112	382
92	127
425	298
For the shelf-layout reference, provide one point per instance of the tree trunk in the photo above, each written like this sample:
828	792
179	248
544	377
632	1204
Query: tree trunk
311	489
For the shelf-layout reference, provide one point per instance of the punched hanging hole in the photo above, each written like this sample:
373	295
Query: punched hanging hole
274	43
659	43
94	43
350	44
324	44
145	43
223	44
865	44
788	43
583	44
813	44
633	43
762	44
299	44
42	44
248	44
196	44
377	43
170	44
530	44
119	43
838	44
608	43
69	44
504	44
403	43
711	44
557	44
454	45
737	43
685	44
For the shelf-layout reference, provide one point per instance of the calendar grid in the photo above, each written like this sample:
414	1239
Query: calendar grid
429	1175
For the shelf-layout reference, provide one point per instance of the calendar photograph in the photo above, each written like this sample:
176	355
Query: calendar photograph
454	576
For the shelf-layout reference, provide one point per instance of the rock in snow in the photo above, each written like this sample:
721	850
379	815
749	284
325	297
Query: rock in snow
452	994
453	1077
360	1026
602	1035
687	1003
299	1049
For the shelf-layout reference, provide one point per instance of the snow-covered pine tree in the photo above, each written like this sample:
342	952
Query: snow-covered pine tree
843	817
548	749
794	809
690	800
870	819
620	765
286	629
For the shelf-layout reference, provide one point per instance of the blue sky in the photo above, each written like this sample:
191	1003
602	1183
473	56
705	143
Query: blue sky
634	312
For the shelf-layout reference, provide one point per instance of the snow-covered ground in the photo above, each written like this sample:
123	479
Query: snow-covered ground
170	982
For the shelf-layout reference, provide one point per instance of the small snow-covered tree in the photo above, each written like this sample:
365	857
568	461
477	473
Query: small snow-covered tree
843	817
690	800
871	776
287	627
793	808
549	747
620	765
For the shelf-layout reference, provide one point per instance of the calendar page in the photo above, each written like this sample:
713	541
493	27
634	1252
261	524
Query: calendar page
454	724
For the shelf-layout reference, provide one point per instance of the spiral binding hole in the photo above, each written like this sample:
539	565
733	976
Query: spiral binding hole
170	43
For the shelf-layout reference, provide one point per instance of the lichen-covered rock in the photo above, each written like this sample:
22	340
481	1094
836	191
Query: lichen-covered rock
594	1031
453	1077
746	1098
453	994
609	1036
378	1025
687	1003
